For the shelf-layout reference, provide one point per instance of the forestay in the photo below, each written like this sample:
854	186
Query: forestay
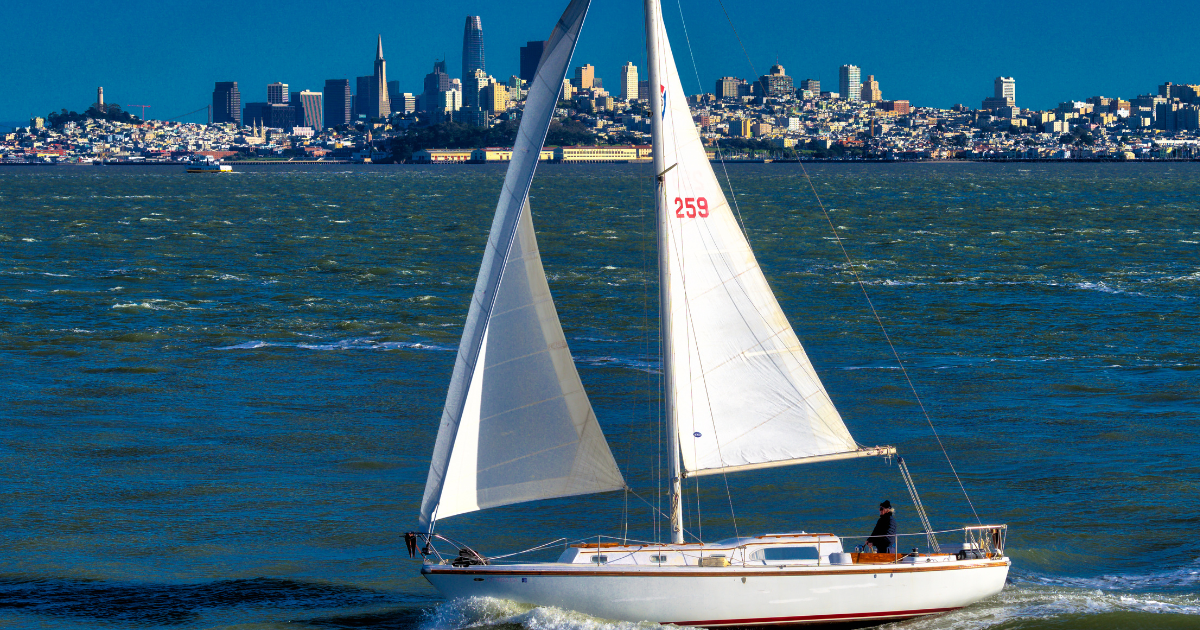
517	425
745	393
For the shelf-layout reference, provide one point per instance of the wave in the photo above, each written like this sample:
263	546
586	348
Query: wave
650	367
1015	607
476	612
361	343
1183	578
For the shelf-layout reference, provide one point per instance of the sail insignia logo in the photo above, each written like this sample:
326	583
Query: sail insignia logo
663	90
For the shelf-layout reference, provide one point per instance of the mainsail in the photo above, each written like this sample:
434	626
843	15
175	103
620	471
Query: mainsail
741	388
517	425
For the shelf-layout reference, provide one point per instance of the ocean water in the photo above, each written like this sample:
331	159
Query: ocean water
219	394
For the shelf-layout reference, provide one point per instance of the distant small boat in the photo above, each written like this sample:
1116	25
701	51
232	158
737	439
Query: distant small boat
209	166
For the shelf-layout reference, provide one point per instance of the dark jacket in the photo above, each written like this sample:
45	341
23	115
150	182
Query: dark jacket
884	534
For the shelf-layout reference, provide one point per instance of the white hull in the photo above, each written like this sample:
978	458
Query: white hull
732	596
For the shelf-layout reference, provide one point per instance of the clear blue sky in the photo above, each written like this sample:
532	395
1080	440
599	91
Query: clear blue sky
168	53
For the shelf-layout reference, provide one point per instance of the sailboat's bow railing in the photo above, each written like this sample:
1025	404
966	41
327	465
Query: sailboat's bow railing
978	542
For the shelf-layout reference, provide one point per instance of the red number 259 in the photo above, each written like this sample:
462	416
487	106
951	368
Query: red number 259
692	205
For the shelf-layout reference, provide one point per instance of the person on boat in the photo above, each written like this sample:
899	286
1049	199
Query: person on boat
883	537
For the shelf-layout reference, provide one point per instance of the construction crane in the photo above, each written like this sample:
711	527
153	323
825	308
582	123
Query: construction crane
143	110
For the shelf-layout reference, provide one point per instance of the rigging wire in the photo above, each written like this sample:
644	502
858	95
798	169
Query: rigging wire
863	286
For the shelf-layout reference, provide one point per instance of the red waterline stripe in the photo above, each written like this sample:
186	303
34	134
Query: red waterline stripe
846	616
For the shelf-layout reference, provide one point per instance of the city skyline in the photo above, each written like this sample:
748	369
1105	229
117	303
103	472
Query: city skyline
906	62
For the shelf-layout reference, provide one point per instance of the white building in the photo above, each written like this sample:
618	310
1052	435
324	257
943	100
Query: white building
629	81
1006	87
850	82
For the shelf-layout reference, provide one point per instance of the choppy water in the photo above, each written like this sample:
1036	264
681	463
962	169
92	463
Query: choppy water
219	393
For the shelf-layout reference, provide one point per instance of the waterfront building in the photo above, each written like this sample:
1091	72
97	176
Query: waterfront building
309	110
643	90
614	153
870	90
776	83
472	50
442	156
629	82
849	82
729	87
761	128
337	102
531	54
503	154
277	93
378	105
436	82
585	77
227	103
811	85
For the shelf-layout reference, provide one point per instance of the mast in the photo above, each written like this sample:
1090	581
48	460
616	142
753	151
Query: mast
653	42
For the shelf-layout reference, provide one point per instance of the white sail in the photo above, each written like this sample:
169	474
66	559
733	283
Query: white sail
744	392
517	425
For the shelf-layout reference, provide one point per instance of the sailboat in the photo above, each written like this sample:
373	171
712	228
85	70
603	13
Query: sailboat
740	394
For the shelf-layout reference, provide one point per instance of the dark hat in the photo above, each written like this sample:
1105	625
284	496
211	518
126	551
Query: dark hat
886	504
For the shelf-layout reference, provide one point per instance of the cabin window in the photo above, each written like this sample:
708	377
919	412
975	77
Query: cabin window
790	553
599	559
658	558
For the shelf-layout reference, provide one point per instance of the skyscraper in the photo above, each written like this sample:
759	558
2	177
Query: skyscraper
393	95
379	106
727	87
227	103
629	81
870	90
472	86
309	111
436	83
1005	94
584	77
336	102
812	85
1006	87
531	54
777	83
362	96
472	55
277	93
850	82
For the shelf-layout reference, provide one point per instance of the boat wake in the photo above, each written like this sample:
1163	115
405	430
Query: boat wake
1032	602
481	612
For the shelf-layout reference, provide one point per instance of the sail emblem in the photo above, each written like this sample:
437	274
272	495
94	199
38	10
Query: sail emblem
662	89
